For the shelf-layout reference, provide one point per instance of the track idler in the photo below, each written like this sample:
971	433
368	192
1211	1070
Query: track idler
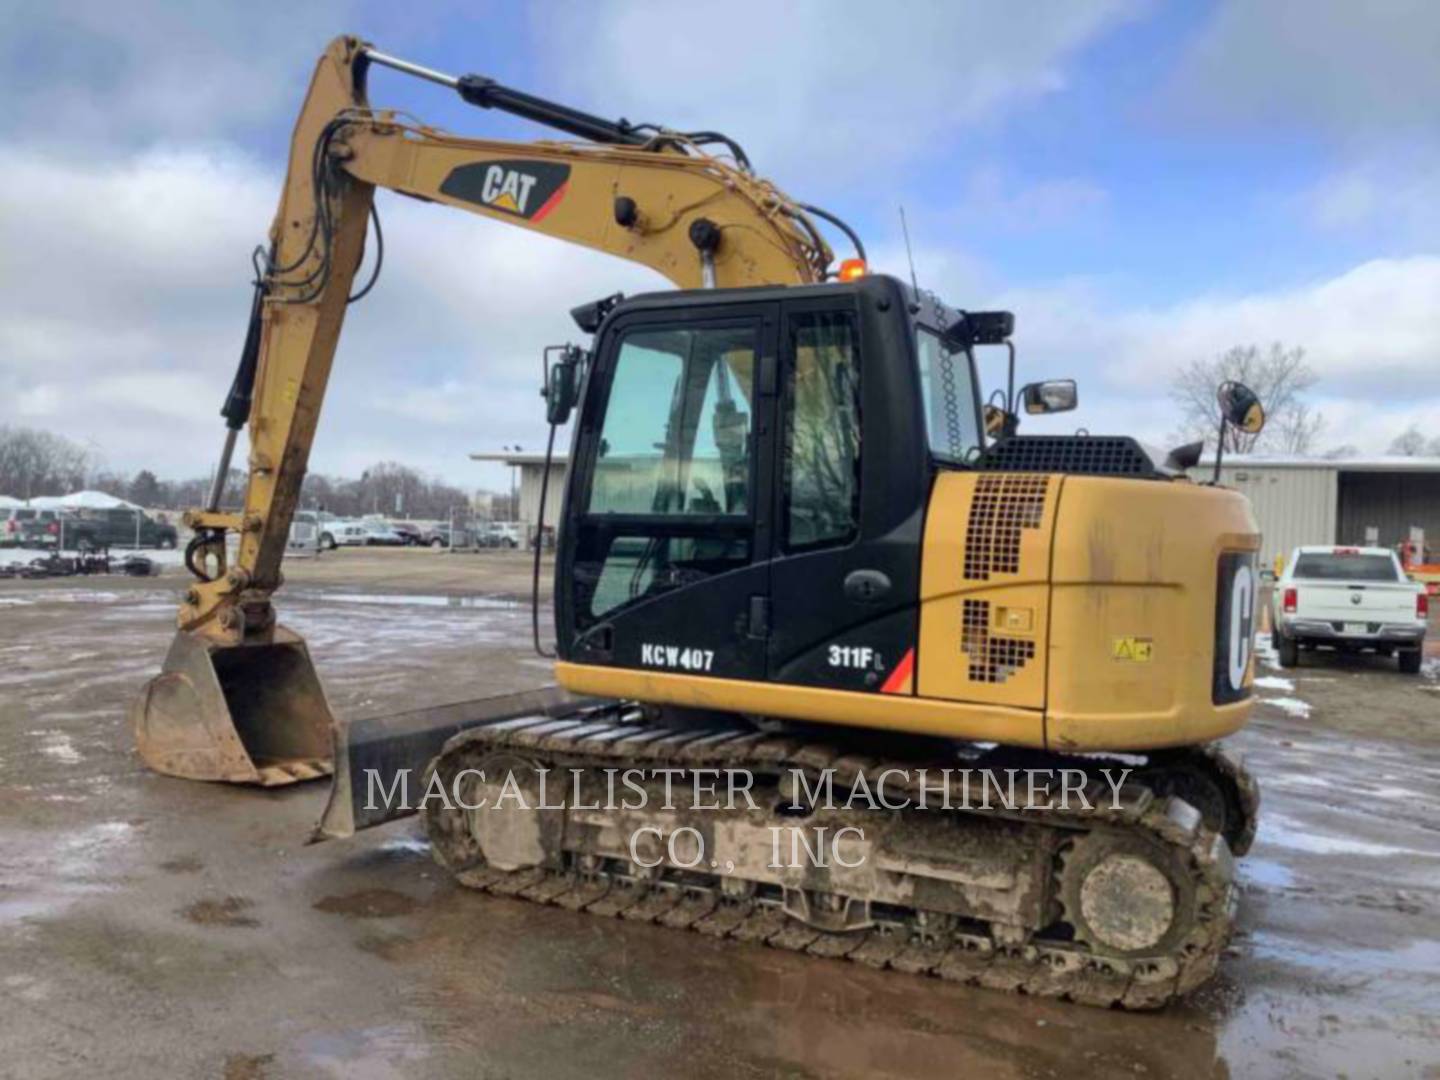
250	713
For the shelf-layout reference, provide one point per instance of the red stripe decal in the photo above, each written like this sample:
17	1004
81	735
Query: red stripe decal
896	681
551	202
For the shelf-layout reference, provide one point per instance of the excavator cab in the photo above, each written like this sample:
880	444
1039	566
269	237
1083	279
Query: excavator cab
738	448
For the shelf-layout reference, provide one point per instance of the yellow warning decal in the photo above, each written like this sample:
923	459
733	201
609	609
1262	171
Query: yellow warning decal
1133	648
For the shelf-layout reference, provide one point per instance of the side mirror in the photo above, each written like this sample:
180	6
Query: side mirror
1240	407
1055	395
562	385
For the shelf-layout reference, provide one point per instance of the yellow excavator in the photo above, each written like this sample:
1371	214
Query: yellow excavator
796	549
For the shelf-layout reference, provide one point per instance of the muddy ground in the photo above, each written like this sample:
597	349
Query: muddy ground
151	927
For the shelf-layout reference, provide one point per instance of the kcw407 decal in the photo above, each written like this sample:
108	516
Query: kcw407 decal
679	657
527	189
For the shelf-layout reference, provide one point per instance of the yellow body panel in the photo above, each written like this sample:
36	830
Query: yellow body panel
1137	563
982	623
1090	622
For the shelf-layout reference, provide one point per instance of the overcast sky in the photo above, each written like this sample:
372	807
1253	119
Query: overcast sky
1142	183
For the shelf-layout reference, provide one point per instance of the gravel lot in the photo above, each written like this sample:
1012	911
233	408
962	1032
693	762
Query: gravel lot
152	927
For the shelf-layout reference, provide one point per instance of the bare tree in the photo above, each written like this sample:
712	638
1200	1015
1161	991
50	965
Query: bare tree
40	463
145	490
36	463
1409	443
1278	376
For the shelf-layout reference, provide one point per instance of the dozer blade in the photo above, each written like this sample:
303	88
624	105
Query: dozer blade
380	761
246	714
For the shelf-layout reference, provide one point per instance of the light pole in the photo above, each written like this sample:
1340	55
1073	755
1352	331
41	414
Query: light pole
515	483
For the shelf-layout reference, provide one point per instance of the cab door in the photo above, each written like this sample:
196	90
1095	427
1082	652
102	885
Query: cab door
851	477
664	556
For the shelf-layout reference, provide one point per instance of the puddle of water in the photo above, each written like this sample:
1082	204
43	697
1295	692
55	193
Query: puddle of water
1288	833
418	600
1415	958
1266	872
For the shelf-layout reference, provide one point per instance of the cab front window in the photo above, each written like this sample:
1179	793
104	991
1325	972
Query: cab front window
947	384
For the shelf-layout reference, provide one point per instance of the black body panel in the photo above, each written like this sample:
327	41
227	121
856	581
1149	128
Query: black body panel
764	610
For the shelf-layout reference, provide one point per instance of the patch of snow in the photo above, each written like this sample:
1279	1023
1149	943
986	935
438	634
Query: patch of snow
82	500
1100	755
417	845
1288	705
405	599
1274	682
57	744
1265	652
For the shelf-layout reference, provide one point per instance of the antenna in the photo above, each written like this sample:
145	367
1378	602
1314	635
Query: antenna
904	228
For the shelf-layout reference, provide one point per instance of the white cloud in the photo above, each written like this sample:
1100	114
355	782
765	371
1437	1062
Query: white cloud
1371	326
91	75
817	89
1386	196
999	198
1358	82
1371	334
121	321
1360	71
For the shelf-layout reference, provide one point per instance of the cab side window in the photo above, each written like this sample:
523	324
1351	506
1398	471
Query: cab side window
676	438
671	496
821	450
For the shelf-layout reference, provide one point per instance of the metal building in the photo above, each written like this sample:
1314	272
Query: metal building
1304	500
528	470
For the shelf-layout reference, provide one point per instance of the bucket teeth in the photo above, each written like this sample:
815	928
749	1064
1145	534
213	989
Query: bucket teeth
290	772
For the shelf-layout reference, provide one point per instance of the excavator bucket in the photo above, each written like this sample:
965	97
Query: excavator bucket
246	714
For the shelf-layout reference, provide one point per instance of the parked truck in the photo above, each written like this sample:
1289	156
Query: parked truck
1349	599
85	530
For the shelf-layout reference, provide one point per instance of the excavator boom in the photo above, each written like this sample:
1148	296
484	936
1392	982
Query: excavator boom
238	698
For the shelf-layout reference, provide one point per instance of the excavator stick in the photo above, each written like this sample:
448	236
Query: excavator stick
248	713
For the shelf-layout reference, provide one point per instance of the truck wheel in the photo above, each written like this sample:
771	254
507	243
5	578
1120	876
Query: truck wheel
1289	650
437	543
1409	661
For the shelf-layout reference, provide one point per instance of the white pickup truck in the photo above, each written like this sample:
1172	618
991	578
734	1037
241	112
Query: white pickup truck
1352	599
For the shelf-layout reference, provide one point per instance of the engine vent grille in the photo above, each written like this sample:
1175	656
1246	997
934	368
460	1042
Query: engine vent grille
992	659
1001	507
1089	455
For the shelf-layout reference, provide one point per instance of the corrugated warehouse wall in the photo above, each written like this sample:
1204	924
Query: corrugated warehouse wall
1294	506
1391	501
